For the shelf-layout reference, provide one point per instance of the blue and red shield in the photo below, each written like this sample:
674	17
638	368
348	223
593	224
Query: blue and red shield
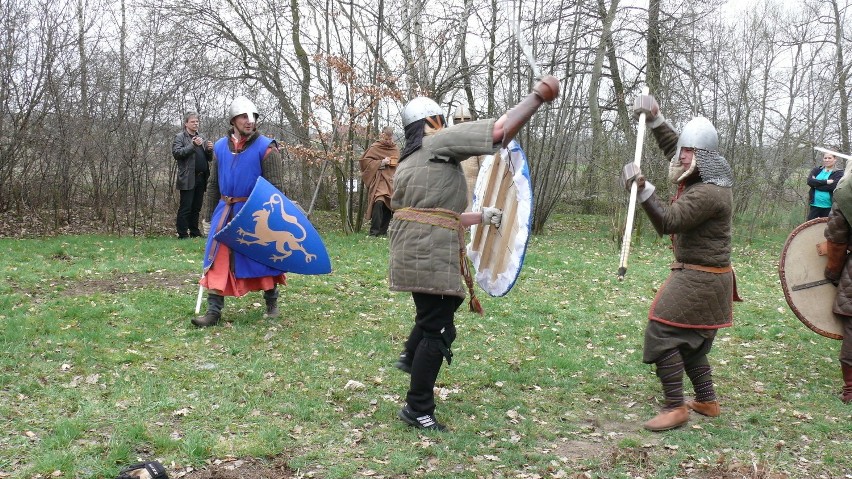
273	231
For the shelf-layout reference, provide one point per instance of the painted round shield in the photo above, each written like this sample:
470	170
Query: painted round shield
498	253
801	269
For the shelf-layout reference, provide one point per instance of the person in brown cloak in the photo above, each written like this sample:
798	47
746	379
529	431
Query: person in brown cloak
697	297
378	164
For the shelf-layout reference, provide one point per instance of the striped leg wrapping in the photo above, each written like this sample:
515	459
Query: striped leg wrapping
670	372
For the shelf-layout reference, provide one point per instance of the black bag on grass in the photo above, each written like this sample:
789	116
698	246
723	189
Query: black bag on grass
143	470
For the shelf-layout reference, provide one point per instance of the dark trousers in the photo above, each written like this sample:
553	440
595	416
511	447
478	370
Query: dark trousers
380	219
190	208
815	212
433	325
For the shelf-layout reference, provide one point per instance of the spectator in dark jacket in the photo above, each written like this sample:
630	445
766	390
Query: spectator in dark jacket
192	154
822	180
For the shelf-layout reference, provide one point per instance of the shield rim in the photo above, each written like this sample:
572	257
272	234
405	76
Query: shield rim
783	277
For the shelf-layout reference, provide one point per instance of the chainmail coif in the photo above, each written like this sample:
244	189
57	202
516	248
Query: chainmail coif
714	168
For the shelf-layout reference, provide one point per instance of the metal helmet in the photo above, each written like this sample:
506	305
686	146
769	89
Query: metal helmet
242	105
461	114
699	133
418	109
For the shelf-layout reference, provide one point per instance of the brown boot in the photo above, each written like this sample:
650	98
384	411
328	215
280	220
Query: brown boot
669	418
705	408
846	397
210	319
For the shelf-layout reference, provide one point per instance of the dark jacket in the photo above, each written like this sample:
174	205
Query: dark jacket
184	151
822	185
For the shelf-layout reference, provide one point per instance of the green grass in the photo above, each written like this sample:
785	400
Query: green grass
100	367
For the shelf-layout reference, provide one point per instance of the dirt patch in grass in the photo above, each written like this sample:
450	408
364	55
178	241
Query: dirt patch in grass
125	282
599	439
609	444
243	468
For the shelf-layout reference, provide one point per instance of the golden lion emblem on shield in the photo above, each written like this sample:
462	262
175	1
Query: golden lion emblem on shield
263	234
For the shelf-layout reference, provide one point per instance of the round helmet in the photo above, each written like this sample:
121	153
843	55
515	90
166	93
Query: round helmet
699	133
242	105
461	114
418	109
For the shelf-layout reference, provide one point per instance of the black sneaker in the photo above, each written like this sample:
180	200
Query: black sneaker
420	420
404	362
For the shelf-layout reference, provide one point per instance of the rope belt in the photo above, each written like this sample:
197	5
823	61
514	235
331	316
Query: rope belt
711	269
450	220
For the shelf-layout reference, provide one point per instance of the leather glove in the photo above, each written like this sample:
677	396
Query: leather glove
644	188
648	105
492	216
836	260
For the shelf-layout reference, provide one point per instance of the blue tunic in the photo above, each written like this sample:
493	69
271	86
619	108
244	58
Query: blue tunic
237	174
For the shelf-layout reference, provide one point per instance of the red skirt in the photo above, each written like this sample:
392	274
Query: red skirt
220	277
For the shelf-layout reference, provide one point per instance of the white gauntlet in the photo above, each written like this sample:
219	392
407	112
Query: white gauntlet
492	216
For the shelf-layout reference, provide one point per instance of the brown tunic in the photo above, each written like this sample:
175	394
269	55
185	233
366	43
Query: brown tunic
699	221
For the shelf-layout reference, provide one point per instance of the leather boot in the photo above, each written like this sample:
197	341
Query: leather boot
215	303
705	408
669	418
271	298
846	397
210	318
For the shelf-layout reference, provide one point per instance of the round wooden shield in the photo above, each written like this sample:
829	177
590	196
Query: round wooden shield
801	268
498	253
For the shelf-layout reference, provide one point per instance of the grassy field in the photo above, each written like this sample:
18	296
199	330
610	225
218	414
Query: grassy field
100	367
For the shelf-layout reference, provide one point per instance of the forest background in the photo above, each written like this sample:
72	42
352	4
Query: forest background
92	93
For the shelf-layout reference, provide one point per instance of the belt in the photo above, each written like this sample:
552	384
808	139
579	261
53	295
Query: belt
698	267
226	213
450	220
711	269
229	200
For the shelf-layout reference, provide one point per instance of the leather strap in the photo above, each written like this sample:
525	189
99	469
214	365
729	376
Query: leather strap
229	200
698	267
